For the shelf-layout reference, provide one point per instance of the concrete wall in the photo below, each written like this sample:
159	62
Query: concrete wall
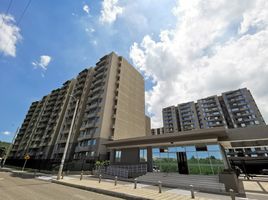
148	125
130	114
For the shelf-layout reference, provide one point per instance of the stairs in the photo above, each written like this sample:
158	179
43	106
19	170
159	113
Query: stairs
205	183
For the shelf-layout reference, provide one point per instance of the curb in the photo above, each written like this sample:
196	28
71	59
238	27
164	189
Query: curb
101	191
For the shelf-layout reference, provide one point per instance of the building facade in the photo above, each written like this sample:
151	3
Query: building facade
233	109
111	106
157	131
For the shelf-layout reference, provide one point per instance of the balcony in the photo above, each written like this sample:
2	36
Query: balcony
88	125
91	115
233	94
94	105
214	109
214	114
79	149
84	137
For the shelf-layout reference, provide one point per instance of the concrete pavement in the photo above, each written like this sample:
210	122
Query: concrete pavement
126	189
255	189
13	187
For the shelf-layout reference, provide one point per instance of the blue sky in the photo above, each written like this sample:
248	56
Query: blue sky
73	38
186	50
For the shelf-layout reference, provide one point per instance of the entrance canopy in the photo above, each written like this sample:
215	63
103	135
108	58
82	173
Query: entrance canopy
181	138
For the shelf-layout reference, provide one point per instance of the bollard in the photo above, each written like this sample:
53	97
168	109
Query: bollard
62	175
160	186
81	176
135	183
115	181
192	191
99	178
232	194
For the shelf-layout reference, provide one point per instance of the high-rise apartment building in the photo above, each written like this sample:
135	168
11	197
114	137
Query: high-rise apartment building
41	125
111	106
232	109
242	109
170	119
157	131
210	113
188	116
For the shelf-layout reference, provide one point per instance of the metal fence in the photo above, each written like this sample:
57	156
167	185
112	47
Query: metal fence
125	171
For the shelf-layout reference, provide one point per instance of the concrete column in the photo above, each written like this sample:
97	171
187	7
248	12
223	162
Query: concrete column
112	156
226	162
149	159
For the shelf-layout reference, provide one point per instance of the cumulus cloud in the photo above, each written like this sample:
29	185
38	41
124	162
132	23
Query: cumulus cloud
110	11
9	35
43	62
86	8
6	132
215	46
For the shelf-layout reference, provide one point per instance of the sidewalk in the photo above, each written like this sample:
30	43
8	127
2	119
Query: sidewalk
126	189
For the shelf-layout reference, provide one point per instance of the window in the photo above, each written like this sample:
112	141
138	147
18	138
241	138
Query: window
118	155
93	142
143	155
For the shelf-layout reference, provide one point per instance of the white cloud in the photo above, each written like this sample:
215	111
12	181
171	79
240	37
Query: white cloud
110	11
86	8
6	132
43	62
9	35
216	46
91	30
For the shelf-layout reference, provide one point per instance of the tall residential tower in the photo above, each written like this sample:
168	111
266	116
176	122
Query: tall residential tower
111	106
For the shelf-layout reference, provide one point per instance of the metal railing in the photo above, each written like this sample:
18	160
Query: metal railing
125	171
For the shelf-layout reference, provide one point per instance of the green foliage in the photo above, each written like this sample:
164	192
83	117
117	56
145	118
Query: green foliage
4	144
103	163
3	148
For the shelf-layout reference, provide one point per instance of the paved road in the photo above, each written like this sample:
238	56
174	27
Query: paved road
17	188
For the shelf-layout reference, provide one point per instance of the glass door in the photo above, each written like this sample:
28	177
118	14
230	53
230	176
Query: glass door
182	163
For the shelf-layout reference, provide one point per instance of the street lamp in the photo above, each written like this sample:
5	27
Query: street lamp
9	148
68	139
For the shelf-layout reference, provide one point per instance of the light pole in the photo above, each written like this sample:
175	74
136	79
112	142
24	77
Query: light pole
68	139
9	148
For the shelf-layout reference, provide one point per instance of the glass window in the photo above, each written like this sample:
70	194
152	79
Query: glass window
192	158
93	142
118	155
155	150
156	155
215	156
164	155
143	155
180	149
213	147
172	155
190	148
172	149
